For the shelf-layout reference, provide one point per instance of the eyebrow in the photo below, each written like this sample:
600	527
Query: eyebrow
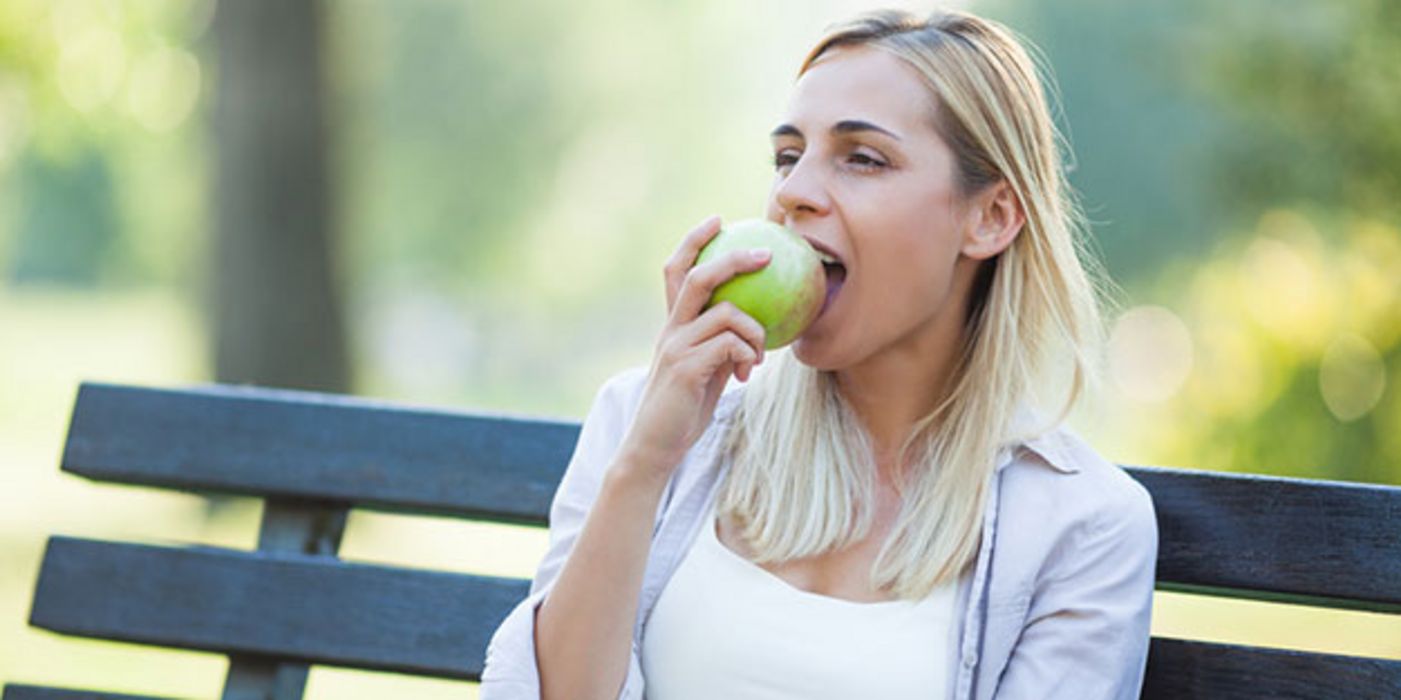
846	126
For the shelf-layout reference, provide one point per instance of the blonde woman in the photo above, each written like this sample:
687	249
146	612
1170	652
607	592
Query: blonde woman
879	510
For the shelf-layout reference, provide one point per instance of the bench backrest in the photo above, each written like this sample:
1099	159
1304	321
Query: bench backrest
280	609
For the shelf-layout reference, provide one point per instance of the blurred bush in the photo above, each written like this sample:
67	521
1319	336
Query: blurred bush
513	176
1241	161
1280	354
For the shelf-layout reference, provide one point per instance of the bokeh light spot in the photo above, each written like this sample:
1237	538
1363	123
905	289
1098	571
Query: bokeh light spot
1150	353
1351	377
163	88
91	67
1284	282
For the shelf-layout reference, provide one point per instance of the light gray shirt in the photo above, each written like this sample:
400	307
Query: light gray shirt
1057	606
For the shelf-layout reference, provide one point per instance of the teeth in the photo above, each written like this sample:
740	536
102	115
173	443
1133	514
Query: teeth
827	258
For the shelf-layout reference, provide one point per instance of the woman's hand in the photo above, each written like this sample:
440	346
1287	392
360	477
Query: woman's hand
696	353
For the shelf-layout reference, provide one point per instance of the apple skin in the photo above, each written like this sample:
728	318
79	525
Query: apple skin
786	295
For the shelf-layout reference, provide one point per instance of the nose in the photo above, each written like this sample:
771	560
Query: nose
801	192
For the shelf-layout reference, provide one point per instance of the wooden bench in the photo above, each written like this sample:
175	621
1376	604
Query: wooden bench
311	458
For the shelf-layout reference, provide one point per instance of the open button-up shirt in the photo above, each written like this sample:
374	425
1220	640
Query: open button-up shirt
1057	607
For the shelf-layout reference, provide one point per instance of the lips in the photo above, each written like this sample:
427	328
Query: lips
826	254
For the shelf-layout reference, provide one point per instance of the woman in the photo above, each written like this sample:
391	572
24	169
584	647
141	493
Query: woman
880	512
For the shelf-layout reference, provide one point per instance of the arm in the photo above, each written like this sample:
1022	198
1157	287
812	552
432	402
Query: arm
1087	630
583	637
512	670
580	641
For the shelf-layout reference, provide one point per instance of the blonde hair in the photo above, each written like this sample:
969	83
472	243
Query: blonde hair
801	477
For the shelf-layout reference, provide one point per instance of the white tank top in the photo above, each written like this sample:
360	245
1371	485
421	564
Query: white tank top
724	627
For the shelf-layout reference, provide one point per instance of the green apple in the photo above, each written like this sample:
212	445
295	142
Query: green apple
785	295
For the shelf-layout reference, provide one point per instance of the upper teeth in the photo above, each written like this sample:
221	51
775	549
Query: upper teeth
827	258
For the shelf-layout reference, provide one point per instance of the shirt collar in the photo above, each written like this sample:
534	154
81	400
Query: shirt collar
1030	431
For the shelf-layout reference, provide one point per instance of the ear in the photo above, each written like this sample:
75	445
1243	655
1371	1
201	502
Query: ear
995	219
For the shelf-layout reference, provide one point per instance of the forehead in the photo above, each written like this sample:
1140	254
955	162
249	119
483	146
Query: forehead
861	82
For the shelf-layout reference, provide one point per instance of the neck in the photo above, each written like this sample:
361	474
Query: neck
903	383
892	394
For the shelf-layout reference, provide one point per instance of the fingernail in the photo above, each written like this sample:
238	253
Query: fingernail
759	253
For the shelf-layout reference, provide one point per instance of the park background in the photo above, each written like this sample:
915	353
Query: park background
500	183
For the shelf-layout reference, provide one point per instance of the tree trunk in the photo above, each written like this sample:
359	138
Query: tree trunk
277	317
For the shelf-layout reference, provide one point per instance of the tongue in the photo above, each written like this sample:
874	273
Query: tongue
836	276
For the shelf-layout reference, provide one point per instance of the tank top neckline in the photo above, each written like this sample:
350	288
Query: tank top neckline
712	536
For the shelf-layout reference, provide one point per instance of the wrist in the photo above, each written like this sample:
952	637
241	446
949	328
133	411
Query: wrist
638	467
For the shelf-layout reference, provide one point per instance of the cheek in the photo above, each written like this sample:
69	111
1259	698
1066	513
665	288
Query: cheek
912	271
907	280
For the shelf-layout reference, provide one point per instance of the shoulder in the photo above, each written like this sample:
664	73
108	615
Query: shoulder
616	402
1060	479
623	389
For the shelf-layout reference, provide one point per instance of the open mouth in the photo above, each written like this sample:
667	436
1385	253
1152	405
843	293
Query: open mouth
836	277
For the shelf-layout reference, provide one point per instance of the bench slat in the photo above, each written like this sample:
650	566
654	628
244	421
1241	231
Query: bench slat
295	444
1326	543
34	692
1186	669
296	607
1236	535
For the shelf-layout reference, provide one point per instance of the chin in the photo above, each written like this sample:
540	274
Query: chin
809	353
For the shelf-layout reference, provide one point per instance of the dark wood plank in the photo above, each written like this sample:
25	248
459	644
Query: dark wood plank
294	444
1325	543
1292	540
34	692
1180	669
295	607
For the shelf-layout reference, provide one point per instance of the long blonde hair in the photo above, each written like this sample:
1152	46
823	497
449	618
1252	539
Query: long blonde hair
801	475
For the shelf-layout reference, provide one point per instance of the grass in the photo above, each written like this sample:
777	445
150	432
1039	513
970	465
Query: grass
51	342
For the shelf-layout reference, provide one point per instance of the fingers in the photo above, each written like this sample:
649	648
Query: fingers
727	350
685	257
723	337
720	319
700	281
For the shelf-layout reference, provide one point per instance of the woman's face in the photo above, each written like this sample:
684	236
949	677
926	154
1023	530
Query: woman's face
861	173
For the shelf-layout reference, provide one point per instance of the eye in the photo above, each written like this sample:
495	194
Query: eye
864	161
861	160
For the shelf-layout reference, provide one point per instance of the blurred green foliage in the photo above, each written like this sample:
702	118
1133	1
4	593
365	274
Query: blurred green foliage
1144	139
1241	161
1295	357
513	176
101	155
1317	88
73	197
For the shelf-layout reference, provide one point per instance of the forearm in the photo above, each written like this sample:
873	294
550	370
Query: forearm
584	627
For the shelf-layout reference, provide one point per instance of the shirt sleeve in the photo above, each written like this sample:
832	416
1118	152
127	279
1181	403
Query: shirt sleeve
1087	630
510	671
